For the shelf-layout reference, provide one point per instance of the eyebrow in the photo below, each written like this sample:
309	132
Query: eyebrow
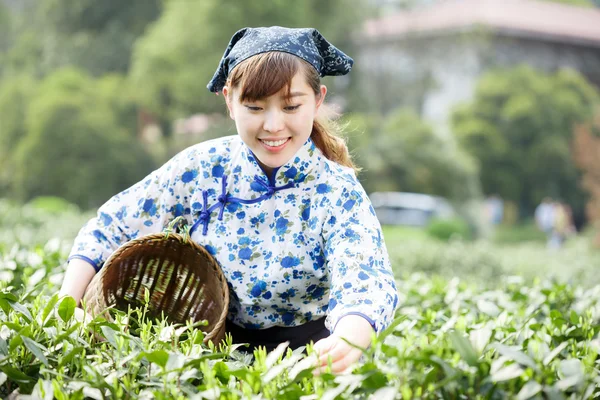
297	94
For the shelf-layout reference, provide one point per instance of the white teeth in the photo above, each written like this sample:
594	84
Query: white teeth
274	144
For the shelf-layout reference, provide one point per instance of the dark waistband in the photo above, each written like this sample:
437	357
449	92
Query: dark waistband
271	337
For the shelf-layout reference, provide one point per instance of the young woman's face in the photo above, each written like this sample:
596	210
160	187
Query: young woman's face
276	127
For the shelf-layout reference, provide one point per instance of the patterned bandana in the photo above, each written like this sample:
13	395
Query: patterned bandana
306	43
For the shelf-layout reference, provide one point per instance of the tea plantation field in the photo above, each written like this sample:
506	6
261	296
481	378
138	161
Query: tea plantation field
475	321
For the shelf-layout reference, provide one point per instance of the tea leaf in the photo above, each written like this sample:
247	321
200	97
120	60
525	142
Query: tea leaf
159	357
463	346
48	309
480	338
574	317
21	310
515	355
66	309
109	334
506	373
36	349
529	390
16	375
554	353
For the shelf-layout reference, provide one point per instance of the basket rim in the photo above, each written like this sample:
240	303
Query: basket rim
186	240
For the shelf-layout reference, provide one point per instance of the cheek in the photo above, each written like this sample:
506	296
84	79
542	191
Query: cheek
247	123
303	121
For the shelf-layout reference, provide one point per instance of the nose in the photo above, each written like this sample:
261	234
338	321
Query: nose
274	122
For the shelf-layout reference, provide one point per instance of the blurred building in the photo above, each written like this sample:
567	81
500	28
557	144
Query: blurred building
430	58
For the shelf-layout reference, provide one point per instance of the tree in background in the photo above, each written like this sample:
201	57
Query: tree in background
75	147
586	152
96	36
177	57
5	33
402	153
15	95
519	126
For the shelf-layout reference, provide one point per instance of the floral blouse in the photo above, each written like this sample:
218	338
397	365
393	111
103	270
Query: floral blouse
296	246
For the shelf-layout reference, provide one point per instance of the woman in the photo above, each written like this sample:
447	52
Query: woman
278	205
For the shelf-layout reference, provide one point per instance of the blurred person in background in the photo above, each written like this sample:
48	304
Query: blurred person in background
544	217
494	209
563	226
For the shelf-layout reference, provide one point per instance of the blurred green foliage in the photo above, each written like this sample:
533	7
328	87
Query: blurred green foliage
447	229
524	232
52	205
583	3
519	128
15	95
400	152
75	146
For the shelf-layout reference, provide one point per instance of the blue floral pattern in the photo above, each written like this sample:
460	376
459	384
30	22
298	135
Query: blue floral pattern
295	246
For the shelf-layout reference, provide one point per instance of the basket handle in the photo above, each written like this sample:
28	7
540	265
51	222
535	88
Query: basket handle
178	225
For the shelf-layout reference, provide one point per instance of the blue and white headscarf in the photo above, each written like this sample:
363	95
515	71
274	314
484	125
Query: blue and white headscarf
306	43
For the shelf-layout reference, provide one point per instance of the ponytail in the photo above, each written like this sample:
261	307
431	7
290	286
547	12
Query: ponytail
326	136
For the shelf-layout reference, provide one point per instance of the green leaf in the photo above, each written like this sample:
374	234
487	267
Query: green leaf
449	371
159	357
553	393
66	359
15	342
67	333
5	305
554	353
66	309
463	346
9	297
480	338
109	334
506	373
16	375
36	349
555	314
14	326
574	318
58	390
529	390
515	355
3	348
21	309
48	309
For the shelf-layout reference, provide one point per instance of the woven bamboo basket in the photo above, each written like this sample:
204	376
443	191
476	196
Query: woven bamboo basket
183	281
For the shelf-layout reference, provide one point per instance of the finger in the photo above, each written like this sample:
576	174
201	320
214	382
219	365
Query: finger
347	362
337	352
323	346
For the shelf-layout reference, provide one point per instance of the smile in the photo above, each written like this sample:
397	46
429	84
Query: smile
275	143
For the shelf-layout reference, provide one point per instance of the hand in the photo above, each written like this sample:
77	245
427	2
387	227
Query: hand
356	330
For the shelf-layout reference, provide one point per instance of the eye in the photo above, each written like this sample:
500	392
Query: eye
253	108
292	108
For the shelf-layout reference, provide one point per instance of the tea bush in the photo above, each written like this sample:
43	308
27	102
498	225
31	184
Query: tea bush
495	336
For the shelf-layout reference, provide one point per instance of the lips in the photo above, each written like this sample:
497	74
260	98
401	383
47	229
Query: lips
274	143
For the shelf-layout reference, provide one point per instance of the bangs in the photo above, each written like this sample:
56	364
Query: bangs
265	74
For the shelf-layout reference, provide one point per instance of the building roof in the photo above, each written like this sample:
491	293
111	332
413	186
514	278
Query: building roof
522	18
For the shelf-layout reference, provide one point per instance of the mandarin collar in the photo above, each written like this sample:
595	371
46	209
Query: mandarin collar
295	170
